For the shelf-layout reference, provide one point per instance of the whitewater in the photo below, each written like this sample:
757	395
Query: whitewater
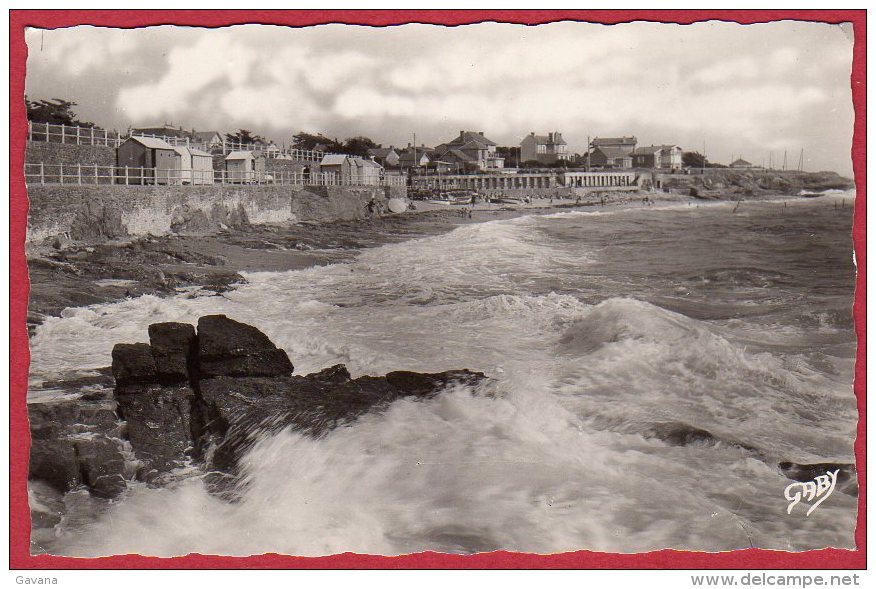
599	328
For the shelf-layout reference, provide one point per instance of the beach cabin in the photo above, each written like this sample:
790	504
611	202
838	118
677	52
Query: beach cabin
147	160
196	166
245	167
332	167
345	169
365	171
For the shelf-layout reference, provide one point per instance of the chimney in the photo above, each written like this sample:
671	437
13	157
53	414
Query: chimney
461	133
532	133
409	145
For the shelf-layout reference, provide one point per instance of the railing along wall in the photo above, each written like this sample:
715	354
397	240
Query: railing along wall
80	174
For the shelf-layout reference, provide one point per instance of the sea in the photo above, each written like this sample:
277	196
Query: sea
599	327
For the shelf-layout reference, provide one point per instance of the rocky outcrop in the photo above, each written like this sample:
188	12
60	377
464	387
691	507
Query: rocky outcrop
205	396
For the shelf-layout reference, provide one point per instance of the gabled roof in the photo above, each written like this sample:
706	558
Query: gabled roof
474	144
555	138
205	135
240	155
200	152
466	136
612	153
163	130
460	155
600	141
408	156
381	151
332	159
652	149
152	142
741	163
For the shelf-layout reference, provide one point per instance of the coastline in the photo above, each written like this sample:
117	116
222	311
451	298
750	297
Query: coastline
76	274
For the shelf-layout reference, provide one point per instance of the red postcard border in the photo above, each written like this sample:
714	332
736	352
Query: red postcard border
19	438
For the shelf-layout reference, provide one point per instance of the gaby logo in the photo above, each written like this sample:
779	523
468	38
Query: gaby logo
820	488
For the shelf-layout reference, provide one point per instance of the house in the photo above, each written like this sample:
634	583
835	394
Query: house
164	131
627	144
545	149
610	157
208	140
416	157
346	169
387	157
663	157
245	167
410	158
471	150
196	165
155	160
741	163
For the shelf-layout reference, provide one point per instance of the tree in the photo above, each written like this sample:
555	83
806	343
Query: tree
56	111
358	146
511	155
244	137
309	141
694	159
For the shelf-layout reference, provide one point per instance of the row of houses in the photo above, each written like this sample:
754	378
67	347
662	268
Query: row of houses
472	151
622	153
170	164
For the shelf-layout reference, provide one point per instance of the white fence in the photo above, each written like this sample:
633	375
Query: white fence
130	176
51	133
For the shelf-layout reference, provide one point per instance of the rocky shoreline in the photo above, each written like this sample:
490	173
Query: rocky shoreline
202	397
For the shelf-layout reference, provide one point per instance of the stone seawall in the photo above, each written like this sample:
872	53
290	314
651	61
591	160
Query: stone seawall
94	213
53	154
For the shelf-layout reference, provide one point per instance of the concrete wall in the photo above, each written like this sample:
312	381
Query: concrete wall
93	213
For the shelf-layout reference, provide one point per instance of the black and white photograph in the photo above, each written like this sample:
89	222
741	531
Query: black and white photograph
462	289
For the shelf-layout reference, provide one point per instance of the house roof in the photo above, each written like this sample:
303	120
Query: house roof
332	159
474	144
651	149
612	153
458	154
600	141
408	156
466	136
381	151
741	163
240	155
164	130
205	135
555	138
152	142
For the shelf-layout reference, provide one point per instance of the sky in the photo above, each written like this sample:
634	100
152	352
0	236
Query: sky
731	90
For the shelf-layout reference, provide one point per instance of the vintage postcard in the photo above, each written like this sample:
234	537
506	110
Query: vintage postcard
511	286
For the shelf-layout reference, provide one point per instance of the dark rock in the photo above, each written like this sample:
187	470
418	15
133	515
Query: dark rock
236	411
158	424
229	348
334	374
54	462
847	479
101	465
173	348
424	385
265	363
134	364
